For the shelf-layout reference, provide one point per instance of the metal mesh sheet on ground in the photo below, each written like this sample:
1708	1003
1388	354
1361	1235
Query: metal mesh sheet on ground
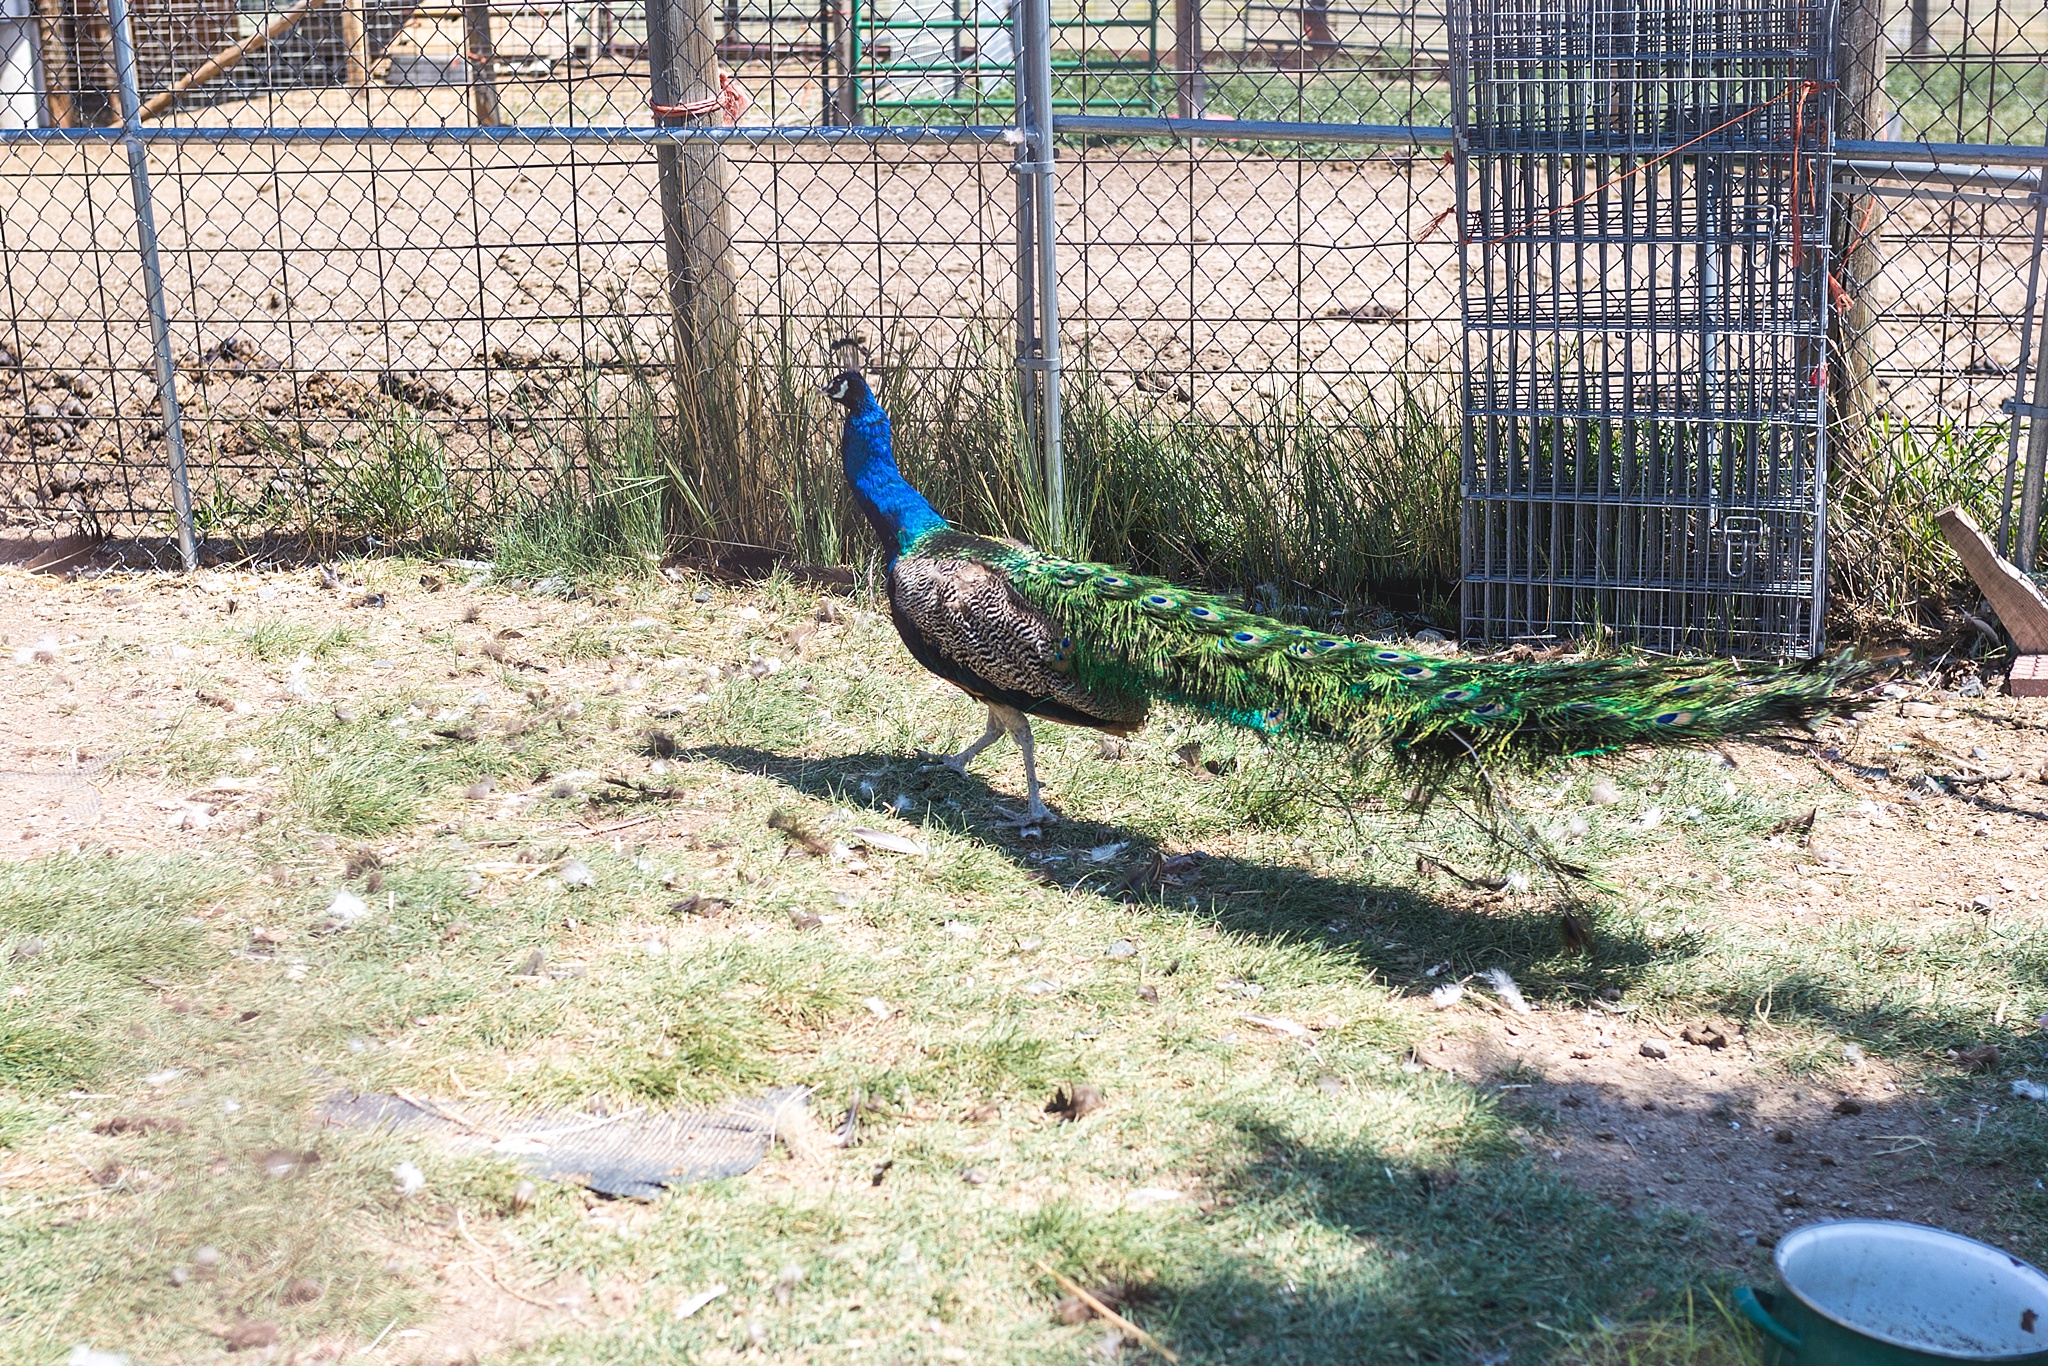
632	1155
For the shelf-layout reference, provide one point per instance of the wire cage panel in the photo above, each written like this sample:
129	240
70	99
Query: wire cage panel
1643	189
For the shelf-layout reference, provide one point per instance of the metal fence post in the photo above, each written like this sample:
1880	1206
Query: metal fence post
1037	256
152	275
2017	405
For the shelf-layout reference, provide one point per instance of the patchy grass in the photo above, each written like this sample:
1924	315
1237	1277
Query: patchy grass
281	639
1255	1195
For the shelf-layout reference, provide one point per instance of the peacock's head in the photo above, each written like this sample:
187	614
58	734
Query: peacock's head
849	390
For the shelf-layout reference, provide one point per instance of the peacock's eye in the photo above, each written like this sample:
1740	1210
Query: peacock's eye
1417	671
1110	581
1461	694
1202	614
1673	718
1244	637
1490	709
1328	644
1389	656
1156	600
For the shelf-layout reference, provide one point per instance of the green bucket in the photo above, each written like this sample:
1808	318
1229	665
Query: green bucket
1875	1292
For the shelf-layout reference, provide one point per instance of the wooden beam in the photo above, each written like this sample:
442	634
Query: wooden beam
60	74
1187	58
2021	608
356	37
229	57
1861	111
693	182
476	36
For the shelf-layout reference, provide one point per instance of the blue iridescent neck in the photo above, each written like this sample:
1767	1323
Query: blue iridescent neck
898	512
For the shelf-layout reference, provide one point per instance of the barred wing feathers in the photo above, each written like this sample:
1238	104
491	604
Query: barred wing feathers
962	618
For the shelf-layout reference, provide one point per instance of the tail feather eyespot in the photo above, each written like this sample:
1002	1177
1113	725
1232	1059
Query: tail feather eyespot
1201	613
1488	711
1460	695
1383	656
1416	673
1672	718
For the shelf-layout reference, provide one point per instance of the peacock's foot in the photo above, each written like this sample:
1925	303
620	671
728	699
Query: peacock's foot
1029	822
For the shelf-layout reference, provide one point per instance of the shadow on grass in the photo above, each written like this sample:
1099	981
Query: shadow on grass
1391	929
1502	1260
1490	1262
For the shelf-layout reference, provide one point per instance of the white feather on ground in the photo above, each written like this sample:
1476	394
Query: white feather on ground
1505	988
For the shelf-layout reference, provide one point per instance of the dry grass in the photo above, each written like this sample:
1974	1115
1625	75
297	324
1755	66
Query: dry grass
1330	1203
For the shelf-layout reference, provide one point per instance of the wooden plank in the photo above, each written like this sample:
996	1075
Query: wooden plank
2019	604
356	37
60	79
481	51
228	58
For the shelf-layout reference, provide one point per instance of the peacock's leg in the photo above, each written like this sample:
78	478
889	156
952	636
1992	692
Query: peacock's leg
959	762
1035	812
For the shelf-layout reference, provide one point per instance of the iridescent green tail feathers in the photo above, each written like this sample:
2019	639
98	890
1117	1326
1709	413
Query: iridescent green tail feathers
1141	637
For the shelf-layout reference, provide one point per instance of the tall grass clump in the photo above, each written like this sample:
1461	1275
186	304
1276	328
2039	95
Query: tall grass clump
1320	499
606	506
392	482
1303	498
1887	559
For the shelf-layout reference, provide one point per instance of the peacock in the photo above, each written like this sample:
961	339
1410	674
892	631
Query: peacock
1035	635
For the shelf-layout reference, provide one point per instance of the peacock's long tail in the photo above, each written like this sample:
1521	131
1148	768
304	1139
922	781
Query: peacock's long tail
1145	637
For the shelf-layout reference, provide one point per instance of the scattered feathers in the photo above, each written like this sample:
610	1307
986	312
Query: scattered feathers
1505	988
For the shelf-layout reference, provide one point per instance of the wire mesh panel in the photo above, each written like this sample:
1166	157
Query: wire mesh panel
328	296
1643	188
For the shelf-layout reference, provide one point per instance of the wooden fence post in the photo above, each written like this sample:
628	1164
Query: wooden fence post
355	36
1860	114
1187	58
694	179
60	73
479	50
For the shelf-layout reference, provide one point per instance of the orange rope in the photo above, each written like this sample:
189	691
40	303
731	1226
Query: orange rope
1799	119
1635	171
1798	128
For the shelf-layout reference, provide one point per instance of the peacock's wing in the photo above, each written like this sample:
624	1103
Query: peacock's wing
964	621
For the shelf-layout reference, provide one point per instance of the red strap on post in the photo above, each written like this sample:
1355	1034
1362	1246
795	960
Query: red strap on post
732	97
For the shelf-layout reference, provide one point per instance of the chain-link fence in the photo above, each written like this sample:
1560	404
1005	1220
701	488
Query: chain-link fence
413	255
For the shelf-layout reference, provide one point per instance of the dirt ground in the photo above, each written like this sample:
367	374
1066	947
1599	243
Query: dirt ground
1647	1115
1713	1128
